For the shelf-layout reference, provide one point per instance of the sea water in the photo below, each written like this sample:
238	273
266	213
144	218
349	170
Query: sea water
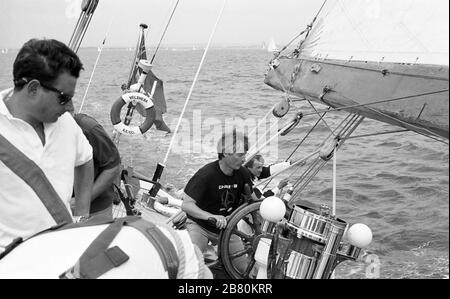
396	184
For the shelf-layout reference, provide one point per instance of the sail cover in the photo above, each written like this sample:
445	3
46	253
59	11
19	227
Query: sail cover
398	31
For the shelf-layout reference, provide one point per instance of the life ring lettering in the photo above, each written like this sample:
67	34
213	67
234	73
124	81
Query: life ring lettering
139	98
134	97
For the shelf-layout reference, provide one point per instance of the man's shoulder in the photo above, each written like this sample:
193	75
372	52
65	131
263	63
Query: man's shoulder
244	172
67	121
208	168
85	121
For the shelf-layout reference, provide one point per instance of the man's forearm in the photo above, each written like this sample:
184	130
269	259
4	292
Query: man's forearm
189	206
84	180
105	181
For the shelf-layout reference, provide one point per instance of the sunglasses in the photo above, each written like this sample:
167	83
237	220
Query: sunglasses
62	97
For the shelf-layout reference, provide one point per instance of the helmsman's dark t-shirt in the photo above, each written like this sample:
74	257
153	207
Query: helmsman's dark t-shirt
216	192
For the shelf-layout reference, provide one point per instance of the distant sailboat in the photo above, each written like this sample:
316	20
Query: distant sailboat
272	47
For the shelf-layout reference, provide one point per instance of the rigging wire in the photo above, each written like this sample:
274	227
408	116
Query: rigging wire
376	70
194	82
379	133
307	30
393	118
260	122
301	142
320	117
298	146
378	102
165	30
98	57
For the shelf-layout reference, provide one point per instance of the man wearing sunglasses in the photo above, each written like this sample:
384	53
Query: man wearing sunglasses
41	144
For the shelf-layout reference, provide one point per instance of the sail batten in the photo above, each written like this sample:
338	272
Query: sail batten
406	31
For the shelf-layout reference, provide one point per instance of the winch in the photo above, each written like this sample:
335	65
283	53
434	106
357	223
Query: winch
310	244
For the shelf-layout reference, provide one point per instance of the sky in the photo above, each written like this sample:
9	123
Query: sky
243	22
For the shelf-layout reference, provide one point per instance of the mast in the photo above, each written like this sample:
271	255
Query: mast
87	11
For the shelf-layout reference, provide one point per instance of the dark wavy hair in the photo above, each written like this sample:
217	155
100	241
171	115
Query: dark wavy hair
44	60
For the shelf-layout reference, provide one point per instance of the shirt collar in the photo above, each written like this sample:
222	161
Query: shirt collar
3	96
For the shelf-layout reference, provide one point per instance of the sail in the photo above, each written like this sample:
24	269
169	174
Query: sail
406	31
159	99
272	47
385	60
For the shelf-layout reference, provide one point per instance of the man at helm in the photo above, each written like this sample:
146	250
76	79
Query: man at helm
215	191
259	172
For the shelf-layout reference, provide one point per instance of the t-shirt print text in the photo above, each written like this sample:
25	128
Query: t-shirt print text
227	197
228	186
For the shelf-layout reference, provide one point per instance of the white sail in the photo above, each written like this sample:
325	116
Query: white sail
272	47
399	31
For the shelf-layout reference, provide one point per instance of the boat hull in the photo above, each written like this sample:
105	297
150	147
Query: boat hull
48	255
411	96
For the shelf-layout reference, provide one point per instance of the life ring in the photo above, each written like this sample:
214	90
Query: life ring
126	99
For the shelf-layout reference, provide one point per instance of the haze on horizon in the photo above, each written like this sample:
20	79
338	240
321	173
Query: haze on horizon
244	22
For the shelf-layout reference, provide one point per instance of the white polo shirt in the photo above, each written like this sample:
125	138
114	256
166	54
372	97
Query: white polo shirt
22	213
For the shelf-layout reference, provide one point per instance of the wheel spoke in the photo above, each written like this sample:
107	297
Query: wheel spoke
241	253
250	266
249	217
242	235
247	220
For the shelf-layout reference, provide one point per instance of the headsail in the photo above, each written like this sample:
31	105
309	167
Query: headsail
407	31
159	99
386	60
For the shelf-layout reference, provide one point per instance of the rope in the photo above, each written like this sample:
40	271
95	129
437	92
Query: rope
393	118
254	150
298	146
333	213
255	147
98	58
346	128
301	142
380	133
398	131
376	102
165	29
193	83
260	122
299	162
320	117
307	30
